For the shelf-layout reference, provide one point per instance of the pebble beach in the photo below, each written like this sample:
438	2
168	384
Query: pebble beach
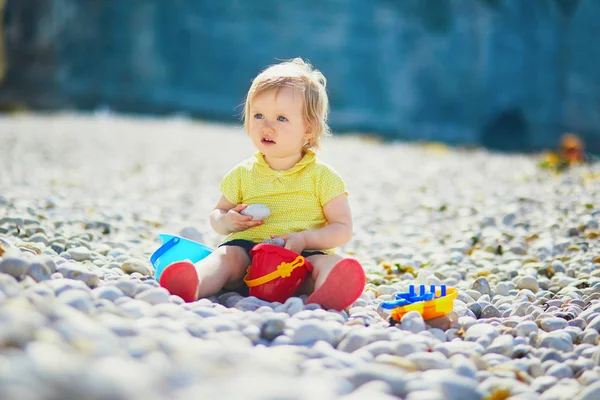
84	197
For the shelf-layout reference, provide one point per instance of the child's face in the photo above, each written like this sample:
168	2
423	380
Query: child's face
276	123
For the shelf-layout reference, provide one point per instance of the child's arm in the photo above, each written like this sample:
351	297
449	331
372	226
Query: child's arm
226	218
337	232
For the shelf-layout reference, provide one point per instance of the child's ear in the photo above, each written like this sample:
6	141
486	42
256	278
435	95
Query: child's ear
308	133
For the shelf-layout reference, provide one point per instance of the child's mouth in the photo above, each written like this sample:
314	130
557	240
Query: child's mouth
267	141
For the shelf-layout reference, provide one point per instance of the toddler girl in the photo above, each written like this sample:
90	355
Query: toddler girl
285	116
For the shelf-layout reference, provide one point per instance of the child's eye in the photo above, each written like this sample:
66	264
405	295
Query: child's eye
258	116
282	118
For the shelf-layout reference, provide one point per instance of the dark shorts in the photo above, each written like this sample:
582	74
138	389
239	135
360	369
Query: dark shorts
248	245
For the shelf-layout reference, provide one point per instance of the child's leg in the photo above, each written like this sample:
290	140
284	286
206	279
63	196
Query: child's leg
227	264
338	281
321	267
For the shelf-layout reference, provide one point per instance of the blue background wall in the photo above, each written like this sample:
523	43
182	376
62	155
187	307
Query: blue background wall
508	74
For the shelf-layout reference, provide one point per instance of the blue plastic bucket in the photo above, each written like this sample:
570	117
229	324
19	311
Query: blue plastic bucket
176	248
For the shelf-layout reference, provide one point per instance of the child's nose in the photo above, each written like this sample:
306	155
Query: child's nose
268	128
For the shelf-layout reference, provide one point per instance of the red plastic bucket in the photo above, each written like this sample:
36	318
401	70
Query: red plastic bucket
276	273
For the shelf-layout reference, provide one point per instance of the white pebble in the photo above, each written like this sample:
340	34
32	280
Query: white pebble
258	212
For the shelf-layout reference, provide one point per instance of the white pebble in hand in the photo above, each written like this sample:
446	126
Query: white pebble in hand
276	241
258	212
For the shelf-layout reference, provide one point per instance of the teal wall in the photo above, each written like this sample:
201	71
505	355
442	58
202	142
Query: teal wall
508	74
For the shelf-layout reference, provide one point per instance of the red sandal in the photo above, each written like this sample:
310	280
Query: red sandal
343	286
181	279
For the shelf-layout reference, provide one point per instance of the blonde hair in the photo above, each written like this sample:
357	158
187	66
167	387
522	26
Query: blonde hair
299	75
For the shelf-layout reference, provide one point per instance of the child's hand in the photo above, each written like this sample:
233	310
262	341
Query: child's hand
237	222
293	241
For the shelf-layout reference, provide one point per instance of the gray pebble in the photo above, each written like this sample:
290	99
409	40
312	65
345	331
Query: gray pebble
251	304
503	344
460	311
13	266
577	322
465	298
475	308
252	332
108	292
573	331
590	336
589	377
525	328
558	267
292	306
271	328
281	340
142	287
57	275
490	311
368	372
59	248
481	285
275	241
61	285
592	392
594	324
528	282
484	299
77	299
134	308
310	332
557	340
257	211
73	271
518	249
463	366
376	348
563	390
176	300
560	371
205	311
132	266
39	271
127	286
553	324
473	295
80	253
155	295
354	340
9	286
439	334
501	289
138	347
229	299
481	330
429	360
543	383
449	349
412	321
405	348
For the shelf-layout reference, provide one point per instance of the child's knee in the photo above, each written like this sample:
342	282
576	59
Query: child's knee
236	273
235	263
320	261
